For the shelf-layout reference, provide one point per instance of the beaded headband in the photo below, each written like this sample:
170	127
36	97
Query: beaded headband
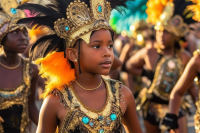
9	17
81	21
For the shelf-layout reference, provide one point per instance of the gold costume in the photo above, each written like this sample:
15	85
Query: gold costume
80	118
15	98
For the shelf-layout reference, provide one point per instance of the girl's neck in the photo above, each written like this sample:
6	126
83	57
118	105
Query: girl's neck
9	58
168	51
87	80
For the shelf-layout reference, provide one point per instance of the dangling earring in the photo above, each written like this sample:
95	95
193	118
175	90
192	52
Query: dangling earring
75	60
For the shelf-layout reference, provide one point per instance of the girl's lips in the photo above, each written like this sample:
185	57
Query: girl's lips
106	64
22	46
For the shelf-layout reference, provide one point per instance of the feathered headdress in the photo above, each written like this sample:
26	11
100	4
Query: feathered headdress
134	13
171	15
196	9
9	16
68	21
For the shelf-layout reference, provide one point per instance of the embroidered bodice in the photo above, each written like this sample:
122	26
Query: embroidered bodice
14	115
81	119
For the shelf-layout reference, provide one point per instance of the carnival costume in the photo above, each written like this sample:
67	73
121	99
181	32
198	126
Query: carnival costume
171	119
172	17
68	22
14	115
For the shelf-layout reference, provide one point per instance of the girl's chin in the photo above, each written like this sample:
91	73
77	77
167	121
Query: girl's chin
105	73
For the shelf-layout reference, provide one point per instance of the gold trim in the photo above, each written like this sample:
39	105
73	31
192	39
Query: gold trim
21	99
93	110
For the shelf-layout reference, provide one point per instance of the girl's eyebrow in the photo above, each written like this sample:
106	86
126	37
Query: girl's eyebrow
101	41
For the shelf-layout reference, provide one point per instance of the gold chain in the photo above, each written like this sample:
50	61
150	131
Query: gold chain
89	89
11	67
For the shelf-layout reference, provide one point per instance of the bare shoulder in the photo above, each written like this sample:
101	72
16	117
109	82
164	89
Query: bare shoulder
185	57
51	103
185	54
126	92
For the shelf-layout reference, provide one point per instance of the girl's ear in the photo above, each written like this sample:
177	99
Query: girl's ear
72	54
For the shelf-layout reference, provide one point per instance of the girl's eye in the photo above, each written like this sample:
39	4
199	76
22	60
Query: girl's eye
110	46
96	46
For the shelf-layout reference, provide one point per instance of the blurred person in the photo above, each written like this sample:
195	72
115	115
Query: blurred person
191	71
18	77
143	36
164	64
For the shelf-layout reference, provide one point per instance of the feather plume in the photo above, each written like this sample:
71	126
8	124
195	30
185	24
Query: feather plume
196	9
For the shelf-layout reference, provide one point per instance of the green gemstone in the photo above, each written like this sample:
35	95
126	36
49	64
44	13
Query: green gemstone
101	131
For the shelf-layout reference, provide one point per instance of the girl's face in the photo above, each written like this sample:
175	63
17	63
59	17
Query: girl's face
16	41
97	56
165	39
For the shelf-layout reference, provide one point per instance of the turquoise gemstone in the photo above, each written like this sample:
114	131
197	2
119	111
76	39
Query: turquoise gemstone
100	8
113	117
91	124
66	28
100	118
13	10
165	82
101	131
108	121
85	120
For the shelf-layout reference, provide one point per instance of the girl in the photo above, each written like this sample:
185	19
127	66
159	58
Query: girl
77	51
18	78
164	65
191	71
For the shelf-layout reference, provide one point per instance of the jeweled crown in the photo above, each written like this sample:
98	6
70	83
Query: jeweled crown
9	16
82	21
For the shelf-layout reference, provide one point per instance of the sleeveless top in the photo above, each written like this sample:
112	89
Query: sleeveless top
167	73
14	117
81	119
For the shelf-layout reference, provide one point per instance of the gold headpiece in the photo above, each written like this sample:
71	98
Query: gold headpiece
81	21
170	22
9	16
137	30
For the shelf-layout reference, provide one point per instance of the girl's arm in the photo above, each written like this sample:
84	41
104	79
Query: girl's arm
183	84
48	120
130	118
135	64
33	111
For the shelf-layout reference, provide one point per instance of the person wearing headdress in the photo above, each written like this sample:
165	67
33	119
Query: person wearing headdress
163	64
190	74
72	57
18	77
143	36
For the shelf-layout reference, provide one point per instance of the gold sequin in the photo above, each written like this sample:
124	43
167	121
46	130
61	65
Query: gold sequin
8	98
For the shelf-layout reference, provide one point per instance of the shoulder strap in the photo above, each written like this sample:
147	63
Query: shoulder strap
26	71
115	89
